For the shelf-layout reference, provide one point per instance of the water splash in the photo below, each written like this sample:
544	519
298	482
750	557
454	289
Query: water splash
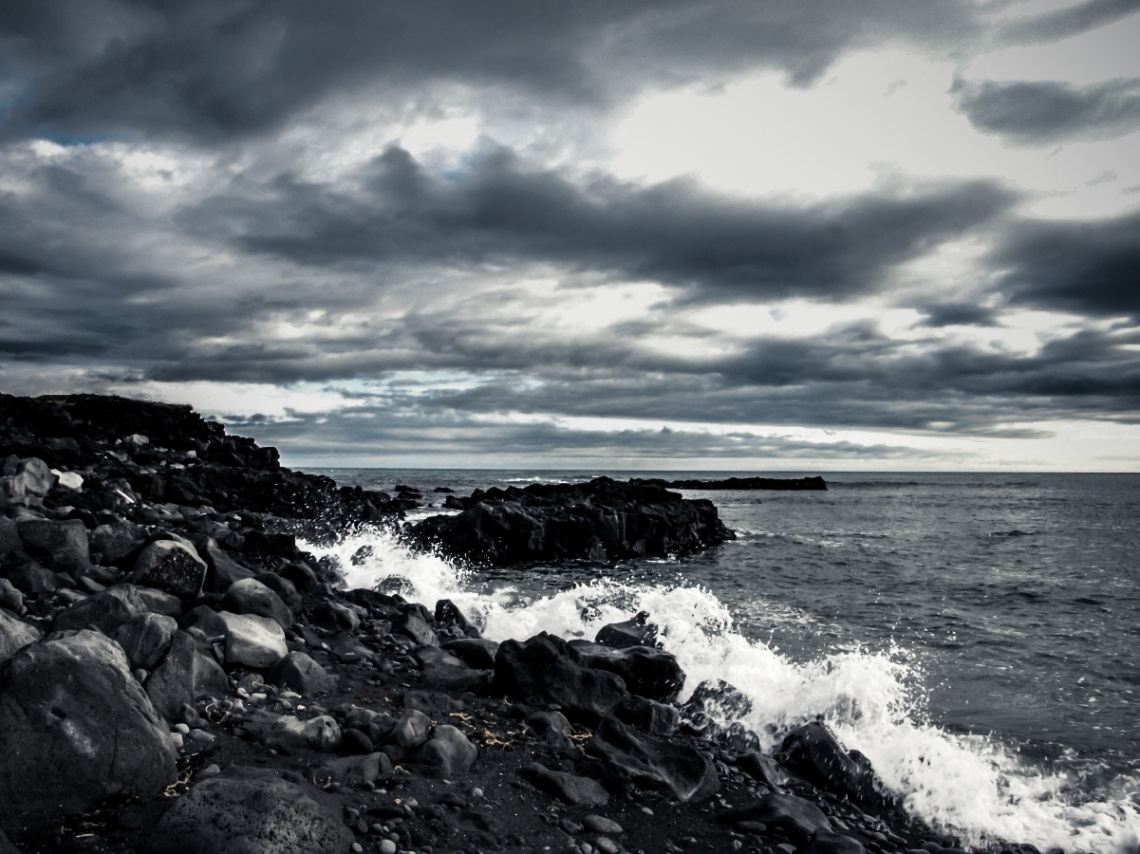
971	785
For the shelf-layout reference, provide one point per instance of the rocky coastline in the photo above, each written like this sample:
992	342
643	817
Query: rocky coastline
177	675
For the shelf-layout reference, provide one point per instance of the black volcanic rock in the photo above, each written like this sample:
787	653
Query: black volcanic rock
600	521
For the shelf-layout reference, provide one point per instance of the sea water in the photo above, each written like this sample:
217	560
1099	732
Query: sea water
975	635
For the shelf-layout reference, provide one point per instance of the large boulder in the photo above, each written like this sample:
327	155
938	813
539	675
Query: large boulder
184	675
105	611
253	641
646	671
813	753
61	546
447	755
798	819
545	669
146	639
77	727
302	673
15	634
600	520
250	596
223	569
655	762
171	566
250	812
567	787
636	631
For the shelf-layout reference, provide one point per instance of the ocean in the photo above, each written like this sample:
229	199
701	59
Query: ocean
975	635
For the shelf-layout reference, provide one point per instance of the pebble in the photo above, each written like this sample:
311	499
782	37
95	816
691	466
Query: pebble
647	810
176	739
182	728
607	845
387	846
601	824
357	848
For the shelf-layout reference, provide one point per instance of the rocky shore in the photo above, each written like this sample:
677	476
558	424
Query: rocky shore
177	675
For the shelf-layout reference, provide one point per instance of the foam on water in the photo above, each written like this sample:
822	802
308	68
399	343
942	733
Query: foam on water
969	784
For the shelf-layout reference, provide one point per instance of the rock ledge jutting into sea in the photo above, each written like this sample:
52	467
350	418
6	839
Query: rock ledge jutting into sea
177	674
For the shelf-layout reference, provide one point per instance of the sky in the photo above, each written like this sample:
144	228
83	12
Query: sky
737	236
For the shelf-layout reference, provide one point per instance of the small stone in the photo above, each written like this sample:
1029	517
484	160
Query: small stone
647	810
176	740
211	770
182	728
601	824
607	845
387	846
357	848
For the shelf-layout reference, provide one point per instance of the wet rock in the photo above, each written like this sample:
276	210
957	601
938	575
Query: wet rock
580	791
646	672
262	544
636	631
61	546
648	715
446	755
172	567
253	641
475	652
250	596
146	639
243	811
289	733
798	819
826	842
78	727
763	769
15	635
812	752
105	611
718	700
336	616
301	673
223	570
184	675
412	625
599	520
658	763
447	613
545	669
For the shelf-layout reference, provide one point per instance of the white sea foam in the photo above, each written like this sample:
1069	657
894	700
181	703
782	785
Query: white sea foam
971	785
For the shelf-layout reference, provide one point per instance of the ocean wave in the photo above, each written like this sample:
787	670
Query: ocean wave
971	784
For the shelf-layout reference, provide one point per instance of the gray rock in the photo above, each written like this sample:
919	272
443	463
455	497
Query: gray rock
301	673
607	845
647	672
475	652
146	639
253	641
335	616
105	611
581	791
157	601
813	753
78	727
32	479
352	770
186	674
15	635
29	576
446	755
348	648
655	762
170	566
285	590
61	546
826	842
289	733
10	597
250	596
411	730
648	715
601	824
413	626
636	631
115	541
763	769
799	820
249	813
9	536
223	569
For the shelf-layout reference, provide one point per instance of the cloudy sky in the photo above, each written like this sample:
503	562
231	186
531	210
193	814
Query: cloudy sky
803	235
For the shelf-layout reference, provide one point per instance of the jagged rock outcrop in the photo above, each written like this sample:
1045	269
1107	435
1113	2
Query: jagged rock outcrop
601	520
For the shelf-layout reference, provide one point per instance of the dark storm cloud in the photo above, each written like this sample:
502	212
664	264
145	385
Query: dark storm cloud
1066	22
674	232
1047	112
1080	267
958	314
214	69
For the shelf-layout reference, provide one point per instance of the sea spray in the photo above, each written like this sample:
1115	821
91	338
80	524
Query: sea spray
971	785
